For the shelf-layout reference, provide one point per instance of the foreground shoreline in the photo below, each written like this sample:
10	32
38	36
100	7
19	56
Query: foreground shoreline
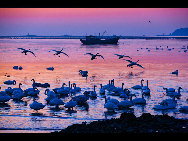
128	123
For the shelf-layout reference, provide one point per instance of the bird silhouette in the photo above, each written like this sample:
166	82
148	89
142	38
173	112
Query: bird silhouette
133	63
26	51
121	56
93	56
58	52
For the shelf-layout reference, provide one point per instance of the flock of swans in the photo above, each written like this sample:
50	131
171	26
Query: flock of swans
93	56
55	96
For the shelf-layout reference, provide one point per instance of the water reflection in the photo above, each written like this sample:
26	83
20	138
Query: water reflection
158	65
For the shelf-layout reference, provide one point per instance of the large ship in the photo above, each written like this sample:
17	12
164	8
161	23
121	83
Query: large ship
91	40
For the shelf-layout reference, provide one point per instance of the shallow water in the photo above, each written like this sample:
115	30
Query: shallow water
158	64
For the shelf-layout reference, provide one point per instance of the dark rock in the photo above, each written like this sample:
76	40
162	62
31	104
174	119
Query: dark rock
127	116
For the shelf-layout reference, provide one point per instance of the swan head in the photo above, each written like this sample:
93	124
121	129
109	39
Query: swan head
14	82
180	88
46	91
64	84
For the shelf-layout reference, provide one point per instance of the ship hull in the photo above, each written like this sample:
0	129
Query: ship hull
99	41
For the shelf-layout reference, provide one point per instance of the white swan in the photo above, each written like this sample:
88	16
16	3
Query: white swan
93	56
80	99
83	73
93	93
177	94
112	100
117	91
63	91
126	103
165	106
19	88
36	105
138	86
33	92
141	101
175	72
44	85
9	91
133	63
4	97
121	56
145	89
26	51
16	68
56	101
17	95
50	68
102	90
9	82
50	95
70	104
168	90
110	105
59	52
78	89
172	100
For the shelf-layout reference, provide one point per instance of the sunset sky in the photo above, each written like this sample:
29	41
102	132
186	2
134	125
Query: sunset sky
82	21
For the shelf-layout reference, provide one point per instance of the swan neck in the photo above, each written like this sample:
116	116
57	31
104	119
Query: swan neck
178	90
69	84
122	85
141	83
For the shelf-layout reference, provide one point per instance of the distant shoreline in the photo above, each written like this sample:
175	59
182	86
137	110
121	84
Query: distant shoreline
82	37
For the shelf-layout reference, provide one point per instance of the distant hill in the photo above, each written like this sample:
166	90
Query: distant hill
180	32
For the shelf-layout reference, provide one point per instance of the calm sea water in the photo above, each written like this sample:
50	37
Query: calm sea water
18	117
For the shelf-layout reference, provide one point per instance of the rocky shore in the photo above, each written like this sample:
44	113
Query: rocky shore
129	123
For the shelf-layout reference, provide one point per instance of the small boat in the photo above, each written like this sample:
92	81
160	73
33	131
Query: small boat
92	40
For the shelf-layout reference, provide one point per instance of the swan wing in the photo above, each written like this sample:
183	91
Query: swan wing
101	56
22	48
32	53
117	54
127	56
128	61
89	54
65	54
140	66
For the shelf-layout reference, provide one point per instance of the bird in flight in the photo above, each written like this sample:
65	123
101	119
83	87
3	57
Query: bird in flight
26	51
133	63
59	52
93	56
121	56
